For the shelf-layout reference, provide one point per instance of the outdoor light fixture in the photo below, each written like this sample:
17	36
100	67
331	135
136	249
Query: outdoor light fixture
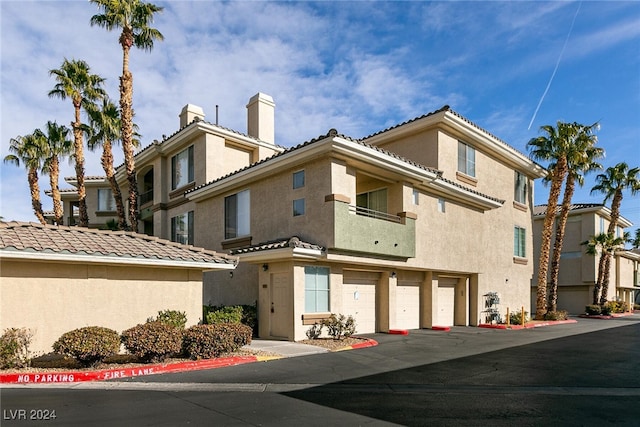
265	267
231	274
393	275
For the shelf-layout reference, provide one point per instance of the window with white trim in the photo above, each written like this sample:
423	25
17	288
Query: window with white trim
519	243
316	289
237	215
106	202
182	168
466	159
182	228
520	190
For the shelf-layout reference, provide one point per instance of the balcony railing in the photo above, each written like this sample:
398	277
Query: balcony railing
146	197
358	210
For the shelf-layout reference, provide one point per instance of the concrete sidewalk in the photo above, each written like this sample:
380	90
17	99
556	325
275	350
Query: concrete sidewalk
285	348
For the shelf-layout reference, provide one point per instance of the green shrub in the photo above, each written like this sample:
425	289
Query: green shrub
314	331
593	309
605	309
153	341
617	306
227	314
14	348
339	326
515	318
89	345
556	315
209	341
636	306
250	317
171	317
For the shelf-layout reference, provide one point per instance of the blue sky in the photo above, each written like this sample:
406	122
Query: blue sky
358	67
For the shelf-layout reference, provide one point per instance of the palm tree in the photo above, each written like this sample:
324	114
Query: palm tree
55	144
133	17
104	130
582	158
604	244
26	149
612	183
554	147
75	81
635	242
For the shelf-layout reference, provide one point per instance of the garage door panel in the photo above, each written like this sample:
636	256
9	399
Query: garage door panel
359	301
407	306
446	304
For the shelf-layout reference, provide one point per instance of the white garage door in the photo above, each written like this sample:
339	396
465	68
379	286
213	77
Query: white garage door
446	304
574	299
407	306
359	300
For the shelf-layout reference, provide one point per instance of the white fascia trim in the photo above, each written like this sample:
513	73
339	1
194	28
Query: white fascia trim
96	259
465	195
280	254
602	210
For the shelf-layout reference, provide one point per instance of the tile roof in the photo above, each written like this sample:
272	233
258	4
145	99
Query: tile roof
32	238
540	210
289	242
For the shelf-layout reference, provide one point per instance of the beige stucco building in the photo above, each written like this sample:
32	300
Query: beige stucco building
578	271
56	279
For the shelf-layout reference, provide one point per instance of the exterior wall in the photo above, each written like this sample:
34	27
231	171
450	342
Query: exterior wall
54	298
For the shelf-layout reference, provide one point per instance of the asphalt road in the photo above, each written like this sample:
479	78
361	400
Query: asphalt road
584	374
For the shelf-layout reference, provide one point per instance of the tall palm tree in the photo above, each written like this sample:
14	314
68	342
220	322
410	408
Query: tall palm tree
635	242
582	156
553	147
133	17
27	150
56	144
612	183
603	244
104	130
75	81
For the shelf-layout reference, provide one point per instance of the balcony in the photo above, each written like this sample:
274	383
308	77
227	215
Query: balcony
366	231
145	197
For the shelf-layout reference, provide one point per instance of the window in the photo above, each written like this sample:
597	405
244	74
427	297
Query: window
441	206
182	228
519	235
298	207
373	200
602	229
316	289
236	215
106	202
520	192
466	159
182	168
298	179
416	197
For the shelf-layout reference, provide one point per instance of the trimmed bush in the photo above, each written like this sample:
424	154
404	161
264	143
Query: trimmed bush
605	309
153	341
89	345
515	318
593	309
556	315
14	348
636	306
314	331
617	306
171	317
227	314
209	341
339	326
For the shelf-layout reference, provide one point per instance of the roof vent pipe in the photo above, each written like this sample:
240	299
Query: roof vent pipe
216	114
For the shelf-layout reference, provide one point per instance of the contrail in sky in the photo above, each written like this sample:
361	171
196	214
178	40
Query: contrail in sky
555	69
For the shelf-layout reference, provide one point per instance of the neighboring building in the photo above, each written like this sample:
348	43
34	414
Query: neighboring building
578	271
56	279
411	227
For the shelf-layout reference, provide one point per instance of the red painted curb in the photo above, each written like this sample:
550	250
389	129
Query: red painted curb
368	343
109	374
398	332
441	328
528	325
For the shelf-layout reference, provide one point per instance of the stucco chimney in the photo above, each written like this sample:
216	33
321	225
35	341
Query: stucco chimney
261	117
189	113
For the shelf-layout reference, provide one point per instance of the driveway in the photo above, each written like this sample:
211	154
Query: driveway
575	374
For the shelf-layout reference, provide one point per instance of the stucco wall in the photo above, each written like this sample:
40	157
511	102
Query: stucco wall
54	298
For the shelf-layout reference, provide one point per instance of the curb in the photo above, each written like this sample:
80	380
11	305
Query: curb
70	377
606	316
528	325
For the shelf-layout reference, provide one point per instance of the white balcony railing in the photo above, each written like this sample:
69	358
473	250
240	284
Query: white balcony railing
359	210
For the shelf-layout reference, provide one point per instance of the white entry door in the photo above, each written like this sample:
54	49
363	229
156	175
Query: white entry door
446	304
280	306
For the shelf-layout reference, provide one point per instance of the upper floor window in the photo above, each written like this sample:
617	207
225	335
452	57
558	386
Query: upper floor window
298	179
106	202
441	206
237	215
520	193
416	197
182	228
298	207
316	289
519	235
602	229
466	159
182	168
373	200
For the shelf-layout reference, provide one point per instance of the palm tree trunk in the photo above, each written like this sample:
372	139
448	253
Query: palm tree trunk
107	165
547	229
126	115
79	160
557	246
598	285
605	278
615	216
35	195
54	172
